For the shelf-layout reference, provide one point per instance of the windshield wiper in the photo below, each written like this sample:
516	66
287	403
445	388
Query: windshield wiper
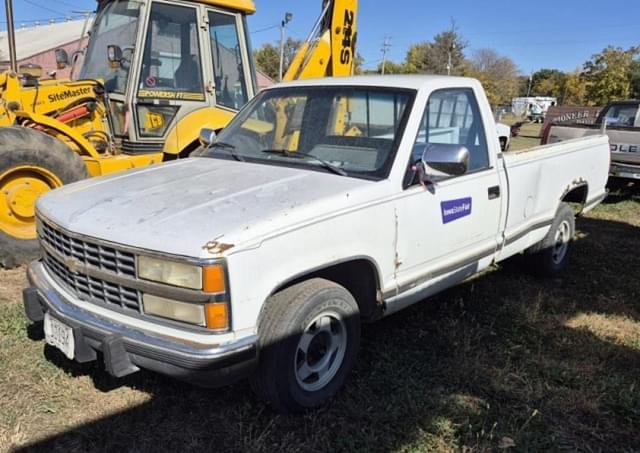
300	155
229	147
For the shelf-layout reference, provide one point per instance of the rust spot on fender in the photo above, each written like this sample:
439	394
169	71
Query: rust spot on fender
217	247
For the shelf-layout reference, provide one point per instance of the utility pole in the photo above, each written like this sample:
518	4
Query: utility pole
529	88
11	35
385	49
451	49
287	18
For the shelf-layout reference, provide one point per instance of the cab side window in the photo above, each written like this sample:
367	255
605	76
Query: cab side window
452	117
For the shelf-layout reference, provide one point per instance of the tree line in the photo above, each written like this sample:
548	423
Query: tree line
612	74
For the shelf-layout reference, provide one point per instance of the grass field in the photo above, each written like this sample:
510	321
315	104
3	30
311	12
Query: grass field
504	361
528	137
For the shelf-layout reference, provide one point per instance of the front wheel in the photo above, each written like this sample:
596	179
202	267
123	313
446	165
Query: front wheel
309	339
550	256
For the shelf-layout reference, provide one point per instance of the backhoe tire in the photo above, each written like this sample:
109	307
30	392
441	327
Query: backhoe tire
309	339
550	256
31	163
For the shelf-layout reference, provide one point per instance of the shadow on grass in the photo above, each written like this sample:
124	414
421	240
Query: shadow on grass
498	356
622	190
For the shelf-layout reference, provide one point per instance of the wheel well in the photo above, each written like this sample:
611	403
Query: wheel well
576	196
358	276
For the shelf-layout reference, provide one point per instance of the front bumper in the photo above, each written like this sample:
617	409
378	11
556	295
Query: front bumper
126	350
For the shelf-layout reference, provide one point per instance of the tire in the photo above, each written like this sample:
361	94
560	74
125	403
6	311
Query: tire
31	163
296	327
550	256
504	146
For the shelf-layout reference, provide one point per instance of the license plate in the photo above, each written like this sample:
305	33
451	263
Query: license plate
59	335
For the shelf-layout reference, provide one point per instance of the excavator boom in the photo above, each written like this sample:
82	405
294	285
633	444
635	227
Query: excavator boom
330	48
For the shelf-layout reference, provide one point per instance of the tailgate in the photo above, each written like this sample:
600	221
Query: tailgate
625	145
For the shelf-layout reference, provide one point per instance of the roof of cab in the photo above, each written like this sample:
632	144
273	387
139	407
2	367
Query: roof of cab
246	6
409	81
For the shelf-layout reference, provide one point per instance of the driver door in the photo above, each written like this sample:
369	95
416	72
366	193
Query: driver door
171	77
451	225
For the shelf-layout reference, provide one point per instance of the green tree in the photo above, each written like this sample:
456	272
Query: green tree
548	82
417	56
267	57
635	79
392	68
498	74
267	60
609	74
574	90
433	57
523	85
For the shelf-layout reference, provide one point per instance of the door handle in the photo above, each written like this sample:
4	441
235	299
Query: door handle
494	192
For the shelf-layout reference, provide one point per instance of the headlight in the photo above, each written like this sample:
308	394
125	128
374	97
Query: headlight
170	272
214	315
173	309
210	279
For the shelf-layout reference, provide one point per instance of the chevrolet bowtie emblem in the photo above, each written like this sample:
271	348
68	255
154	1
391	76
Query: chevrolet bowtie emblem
74	265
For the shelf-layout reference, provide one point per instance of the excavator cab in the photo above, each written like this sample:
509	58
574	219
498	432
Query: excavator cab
161	60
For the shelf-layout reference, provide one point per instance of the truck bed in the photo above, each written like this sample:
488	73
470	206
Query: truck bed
624	141
534	177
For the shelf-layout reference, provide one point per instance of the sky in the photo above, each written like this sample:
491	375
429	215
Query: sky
560	34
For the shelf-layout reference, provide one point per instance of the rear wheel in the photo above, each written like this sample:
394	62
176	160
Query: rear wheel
550	256
309	339
31	164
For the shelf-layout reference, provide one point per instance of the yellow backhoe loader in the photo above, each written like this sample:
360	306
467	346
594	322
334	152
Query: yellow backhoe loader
153	74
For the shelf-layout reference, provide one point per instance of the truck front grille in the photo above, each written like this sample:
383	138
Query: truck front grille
100	256
93	289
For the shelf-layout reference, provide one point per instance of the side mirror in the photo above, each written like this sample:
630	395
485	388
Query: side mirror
207	136
114	56
445	160
62	58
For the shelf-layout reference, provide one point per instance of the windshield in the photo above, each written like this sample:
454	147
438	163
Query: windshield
352	131
116	24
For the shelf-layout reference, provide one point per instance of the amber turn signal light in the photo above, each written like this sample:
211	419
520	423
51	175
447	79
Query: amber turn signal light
217	316
213	279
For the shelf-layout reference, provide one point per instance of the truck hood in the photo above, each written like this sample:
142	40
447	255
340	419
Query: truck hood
198	207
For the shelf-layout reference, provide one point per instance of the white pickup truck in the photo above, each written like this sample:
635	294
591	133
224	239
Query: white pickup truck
322	205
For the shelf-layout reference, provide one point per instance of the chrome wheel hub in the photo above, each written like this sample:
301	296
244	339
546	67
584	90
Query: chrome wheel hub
320	351
561	242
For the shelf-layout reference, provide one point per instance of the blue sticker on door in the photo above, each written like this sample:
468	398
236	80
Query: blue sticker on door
455	209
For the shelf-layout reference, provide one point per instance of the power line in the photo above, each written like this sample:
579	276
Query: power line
44	20
265	29
69	4
41	7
